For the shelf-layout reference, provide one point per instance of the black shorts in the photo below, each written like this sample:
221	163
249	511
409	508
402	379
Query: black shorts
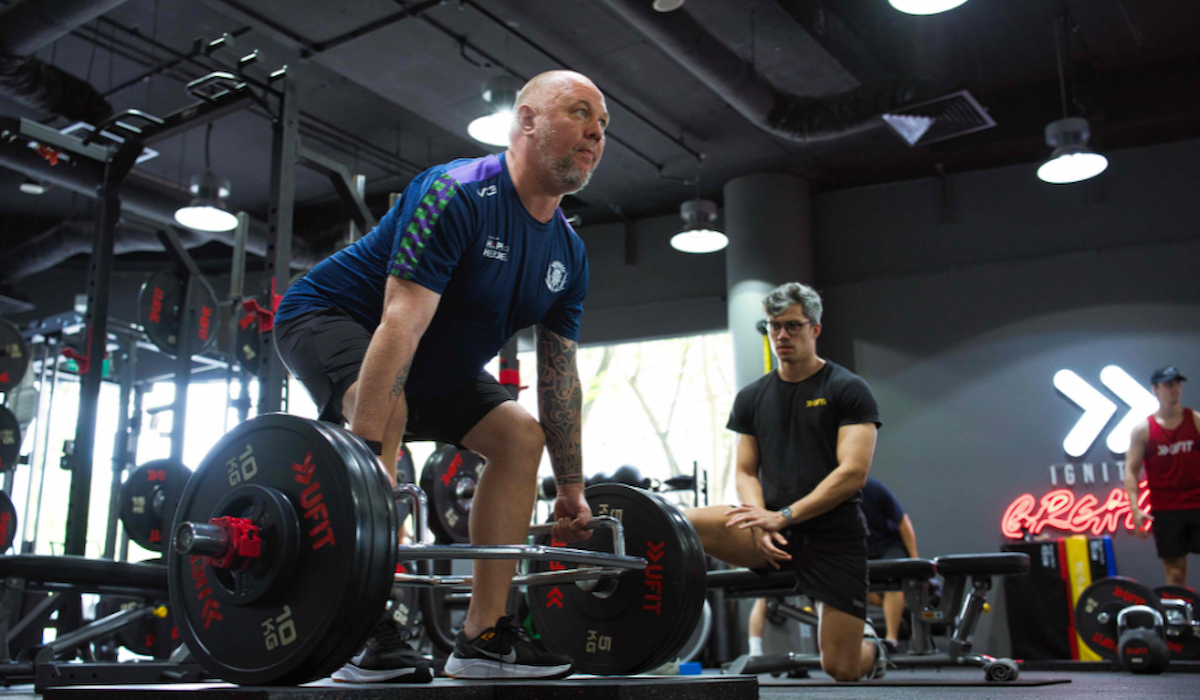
831	571
324	350
1176	532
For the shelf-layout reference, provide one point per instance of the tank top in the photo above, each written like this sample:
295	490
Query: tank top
1173	465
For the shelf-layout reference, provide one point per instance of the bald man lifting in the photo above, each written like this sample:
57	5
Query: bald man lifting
392	333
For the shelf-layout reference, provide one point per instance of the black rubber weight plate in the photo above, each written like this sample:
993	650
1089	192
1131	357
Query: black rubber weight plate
10	440
249	343
140	638
159	307
449	474
310	622
148	499
1184	646
14	356
8	522
1097	609
650	615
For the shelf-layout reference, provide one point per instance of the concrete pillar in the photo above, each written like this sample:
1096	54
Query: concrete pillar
768	218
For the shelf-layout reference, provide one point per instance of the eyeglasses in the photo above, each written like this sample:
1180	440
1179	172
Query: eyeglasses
792	327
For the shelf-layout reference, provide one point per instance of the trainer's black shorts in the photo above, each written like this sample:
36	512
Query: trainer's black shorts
1176	532
324	350
831	571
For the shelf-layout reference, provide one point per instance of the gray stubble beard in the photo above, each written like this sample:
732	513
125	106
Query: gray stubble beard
563	171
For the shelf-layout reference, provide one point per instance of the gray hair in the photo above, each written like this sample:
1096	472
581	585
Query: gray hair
785	295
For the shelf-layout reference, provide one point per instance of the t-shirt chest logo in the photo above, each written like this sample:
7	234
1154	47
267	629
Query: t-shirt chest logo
1175	448
495	249
556	277
813	403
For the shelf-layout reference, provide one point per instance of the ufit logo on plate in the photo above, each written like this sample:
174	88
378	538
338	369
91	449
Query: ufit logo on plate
1098	409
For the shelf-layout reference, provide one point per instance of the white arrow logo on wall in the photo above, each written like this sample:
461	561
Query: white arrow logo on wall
1141	404
1098	409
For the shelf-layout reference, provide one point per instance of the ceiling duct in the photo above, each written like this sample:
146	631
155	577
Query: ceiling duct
28	26
140	197
796	118
74	237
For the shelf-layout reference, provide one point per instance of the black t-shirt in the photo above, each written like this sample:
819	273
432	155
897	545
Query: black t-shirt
796	426
883	513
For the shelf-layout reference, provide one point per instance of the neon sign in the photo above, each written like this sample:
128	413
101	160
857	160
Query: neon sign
1061	510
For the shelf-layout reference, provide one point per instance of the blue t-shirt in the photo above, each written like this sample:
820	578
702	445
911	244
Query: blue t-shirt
884	514
460	230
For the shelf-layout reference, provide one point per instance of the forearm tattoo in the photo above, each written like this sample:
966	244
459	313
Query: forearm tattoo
560	403
401	378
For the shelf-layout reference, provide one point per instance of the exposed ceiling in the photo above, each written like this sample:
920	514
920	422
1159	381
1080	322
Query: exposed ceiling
388	88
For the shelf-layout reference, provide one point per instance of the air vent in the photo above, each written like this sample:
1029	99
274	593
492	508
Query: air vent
937	120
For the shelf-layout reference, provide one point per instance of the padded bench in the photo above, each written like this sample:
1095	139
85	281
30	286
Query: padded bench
993	564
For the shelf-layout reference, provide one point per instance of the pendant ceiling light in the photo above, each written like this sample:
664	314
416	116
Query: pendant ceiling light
1071	160
207	210
925	7
492	128
696	236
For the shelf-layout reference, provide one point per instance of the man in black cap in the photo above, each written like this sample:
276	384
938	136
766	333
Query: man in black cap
1168	445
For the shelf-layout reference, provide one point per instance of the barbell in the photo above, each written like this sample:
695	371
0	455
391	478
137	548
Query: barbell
450	475
285	550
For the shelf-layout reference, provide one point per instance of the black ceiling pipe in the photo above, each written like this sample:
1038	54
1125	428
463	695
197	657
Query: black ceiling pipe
74	237
28	26
141	197
795	118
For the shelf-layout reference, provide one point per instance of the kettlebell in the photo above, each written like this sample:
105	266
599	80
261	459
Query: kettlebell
1141	640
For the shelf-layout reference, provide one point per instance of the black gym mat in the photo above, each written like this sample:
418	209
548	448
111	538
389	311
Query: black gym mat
583	688
911	683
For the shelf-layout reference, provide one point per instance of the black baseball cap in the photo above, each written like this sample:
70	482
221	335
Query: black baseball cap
1166	374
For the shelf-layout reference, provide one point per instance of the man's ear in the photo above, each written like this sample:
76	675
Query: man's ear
816	328
526	118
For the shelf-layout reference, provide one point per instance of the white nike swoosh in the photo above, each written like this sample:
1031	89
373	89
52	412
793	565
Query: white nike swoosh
510	657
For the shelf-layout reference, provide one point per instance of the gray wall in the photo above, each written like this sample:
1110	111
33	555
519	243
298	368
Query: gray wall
658	292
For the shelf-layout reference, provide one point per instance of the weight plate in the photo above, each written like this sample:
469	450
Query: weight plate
14	356
1097	609
249	343
8	522
160	310
1185	646
406	603
140	638
314	619
10	440
148	500
448	479
648	615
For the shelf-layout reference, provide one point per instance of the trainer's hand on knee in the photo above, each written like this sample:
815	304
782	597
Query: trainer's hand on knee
571	516
745	516
769	544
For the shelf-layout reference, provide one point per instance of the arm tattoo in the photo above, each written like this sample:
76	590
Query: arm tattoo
401	378
560	403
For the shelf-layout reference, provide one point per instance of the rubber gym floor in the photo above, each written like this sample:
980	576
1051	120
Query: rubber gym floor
899	685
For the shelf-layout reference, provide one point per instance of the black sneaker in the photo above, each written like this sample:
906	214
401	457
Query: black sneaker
504	651
386	657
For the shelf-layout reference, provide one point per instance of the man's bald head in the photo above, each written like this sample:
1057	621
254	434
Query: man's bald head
541	90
